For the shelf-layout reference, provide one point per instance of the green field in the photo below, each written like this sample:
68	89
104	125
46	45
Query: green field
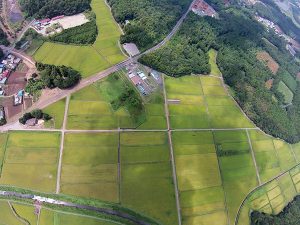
212	62
203	103
90	166
290	81
237	168
146	180
26	212
6	215
272	197
287	93
91	109
199	180
50	217
88	60
56	111
31	160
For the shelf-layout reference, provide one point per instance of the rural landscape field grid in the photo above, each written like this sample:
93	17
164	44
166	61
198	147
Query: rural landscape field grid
219	155
86	59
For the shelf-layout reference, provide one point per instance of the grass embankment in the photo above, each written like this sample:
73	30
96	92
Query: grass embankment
88	60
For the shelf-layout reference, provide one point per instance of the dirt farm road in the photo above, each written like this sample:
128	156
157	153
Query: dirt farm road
87	81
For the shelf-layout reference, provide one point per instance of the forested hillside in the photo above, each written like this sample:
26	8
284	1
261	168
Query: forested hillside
238	38
289	216
150	21
51	8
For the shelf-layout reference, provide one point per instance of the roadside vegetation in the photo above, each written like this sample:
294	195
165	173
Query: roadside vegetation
36	114
238	39
149	21
45	8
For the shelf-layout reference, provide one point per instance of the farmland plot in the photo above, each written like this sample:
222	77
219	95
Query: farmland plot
199	180
88	60
90	165
146	182
31	160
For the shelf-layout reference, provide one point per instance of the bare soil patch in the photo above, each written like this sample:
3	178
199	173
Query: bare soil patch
268	60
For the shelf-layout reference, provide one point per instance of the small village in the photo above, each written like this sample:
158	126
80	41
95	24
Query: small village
12	84
48	27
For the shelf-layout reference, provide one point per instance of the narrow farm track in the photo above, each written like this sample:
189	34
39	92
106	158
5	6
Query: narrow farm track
63	130
86	82
172	153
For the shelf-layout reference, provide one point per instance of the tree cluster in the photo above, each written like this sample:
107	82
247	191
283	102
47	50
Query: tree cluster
150	21
3	38
80	35
238	37
58	76
289	216
51	8
37	114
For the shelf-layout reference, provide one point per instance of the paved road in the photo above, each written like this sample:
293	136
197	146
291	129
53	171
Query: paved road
87	81
111	212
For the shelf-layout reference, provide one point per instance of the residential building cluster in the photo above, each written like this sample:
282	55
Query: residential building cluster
7	65
201	8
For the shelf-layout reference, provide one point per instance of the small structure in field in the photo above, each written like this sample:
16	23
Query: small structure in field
18	98
31	122
131	49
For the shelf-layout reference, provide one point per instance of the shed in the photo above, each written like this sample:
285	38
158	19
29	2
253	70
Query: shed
31	122
136	80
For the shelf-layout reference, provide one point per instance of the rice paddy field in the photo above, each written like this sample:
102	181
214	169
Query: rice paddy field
272	197
146	178
56	111
88	60
13	213
202	102
212	53
202	196
155	113
90	166
237	168
90	108
272	155
30	160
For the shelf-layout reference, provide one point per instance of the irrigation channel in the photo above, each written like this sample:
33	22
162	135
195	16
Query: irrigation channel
41	199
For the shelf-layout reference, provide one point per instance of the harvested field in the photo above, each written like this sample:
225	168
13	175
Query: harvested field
268	60
15	82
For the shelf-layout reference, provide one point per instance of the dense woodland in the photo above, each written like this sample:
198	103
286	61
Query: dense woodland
80	35
150	21
238	37
52	8
289	216
58	76
3	38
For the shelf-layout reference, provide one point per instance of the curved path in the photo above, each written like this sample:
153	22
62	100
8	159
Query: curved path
110	212
236	222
